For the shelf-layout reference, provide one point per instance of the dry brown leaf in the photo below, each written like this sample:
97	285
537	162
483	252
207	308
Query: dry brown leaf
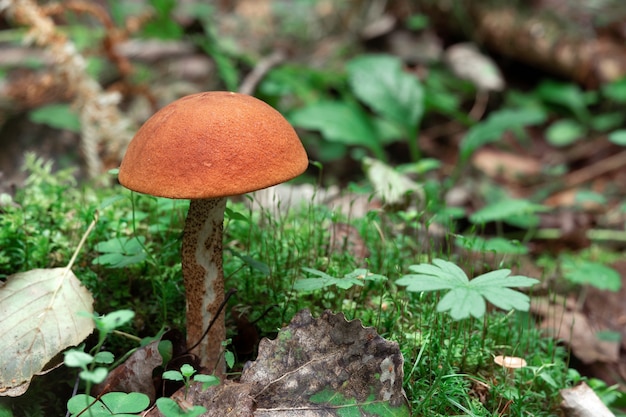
324	367
135	374
510	167
573	328
582	401
315	367
40	318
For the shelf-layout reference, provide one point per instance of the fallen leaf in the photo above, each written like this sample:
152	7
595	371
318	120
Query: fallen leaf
582	401
510	167
315	367
327	367
573	328
135	374
468	63
40	318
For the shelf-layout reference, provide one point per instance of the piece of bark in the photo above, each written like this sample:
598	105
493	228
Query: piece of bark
582	401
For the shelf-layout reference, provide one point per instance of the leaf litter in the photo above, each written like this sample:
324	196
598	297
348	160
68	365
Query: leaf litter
327	366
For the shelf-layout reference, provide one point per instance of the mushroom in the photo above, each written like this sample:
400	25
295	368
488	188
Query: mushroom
205	147
510	362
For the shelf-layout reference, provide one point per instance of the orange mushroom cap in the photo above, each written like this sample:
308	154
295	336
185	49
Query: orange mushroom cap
210	145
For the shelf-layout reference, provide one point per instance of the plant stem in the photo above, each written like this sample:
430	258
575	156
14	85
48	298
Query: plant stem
414	149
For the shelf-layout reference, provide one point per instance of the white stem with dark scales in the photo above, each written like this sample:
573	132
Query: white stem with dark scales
204	279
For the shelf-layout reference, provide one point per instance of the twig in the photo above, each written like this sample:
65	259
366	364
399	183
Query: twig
82	241
262	67
595	170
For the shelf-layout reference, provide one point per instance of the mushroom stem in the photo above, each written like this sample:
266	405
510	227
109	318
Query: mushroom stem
204	279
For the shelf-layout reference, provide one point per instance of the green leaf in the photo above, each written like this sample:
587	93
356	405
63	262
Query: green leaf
618	137
125	403
173	376
235	215
381	83
58	116
252	263
169	408
75	358
317	272
615	90
497	245
121	252
443	275
451	269
78	403
564	132
505	209
444	270
417	22
566	95
162	25
104	357
606	122
467	298
187	370
313	284
339	122
364	274
549	380
499	122
419	283
209	380
461	303
229	358
591	273
348	281
166	350
497	277
95	377
506	298
349	407
109	322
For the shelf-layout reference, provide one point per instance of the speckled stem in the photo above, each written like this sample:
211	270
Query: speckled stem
204	278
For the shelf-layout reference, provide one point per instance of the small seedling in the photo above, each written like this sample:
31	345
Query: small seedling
185	374
171	408
356	277
93	373
120	252
467	298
